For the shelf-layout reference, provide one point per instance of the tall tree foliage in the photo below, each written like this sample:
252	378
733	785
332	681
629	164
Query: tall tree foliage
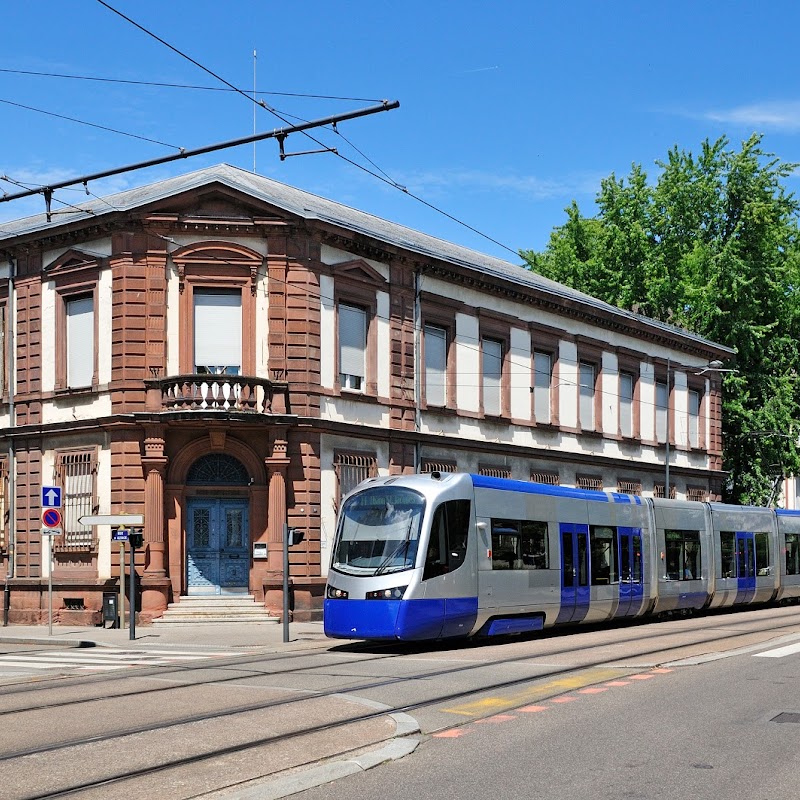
712	247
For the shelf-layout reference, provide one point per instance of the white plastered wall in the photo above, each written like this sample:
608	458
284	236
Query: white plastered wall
568	380
468	380
521	371
609	399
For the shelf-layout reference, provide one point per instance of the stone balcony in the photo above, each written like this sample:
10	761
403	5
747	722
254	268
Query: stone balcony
238	393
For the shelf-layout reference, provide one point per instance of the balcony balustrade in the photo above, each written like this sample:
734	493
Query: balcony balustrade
217	392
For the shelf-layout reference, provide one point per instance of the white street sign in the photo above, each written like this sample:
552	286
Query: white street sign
113	519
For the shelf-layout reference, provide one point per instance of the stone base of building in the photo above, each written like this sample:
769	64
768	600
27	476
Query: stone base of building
306	597
74	602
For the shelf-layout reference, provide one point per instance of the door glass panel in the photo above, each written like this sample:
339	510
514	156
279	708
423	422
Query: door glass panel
202	527
637	559
569	564
625	557
234	518
583	560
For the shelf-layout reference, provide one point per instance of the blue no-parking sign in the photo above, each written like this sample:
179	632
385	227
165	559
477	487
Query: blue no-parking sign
51	497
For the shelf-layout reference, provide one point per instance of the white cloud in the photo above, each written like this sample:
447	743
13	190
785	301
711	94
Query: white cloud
775	115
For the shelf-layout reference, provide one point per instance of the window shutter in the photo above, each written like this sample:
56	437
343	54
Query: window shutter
352	340
218	331
435	366
80	341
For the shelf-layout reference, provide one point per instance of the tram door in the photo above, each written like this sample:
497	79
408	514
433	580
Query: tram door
631	589
574	572
746	567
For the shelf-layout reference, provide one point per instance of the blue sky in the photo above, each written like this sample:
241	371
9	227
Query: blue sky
509	109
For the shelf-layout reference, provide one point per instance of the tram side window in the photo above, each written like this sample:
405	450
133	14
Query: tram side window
683	555
447	546
519	544
727	541
792	554
602	542
763	561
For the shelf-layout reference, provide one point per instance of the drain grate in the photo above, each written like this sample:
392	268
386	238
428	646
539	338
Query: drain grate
787	717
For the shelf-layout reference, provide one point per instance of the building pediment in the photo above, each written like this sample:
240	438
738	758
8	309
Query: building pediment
358	270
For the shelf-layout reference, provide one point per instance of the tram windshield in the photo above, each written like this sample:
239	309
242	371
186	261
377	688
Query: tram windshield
379	531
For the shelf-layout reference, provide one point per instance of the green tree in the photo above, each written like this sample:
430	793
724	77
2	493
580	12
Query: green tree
711	247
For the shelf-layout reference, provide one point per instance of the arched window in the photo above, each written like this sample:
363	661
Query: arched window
218	469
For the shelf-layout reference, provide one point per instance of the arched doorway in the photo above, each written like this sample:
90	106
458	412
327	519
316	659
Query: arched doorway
217	527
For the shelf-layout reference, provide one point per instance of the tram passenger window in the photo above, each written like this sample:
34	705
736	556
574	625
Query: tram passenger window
682	555
519	544
447	547
603	546
792	554
763	561
727	542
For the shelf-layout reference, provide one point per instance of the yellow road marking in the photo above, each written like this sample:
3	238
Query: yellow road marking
542	691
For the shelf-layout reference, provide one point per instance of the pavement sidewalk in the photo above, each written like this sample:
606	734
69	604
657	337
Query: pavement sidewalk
186	635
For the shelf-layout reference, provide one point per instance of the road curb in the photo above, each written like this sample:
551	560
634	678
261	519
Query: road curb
400	746
49	642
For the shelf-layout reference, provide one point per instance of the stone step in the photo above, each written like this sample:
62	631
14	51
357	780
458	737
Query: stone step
215	609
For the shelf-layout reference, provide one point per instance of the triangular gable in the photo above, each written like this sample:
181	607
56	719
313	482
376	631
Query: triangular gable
73	260
358	270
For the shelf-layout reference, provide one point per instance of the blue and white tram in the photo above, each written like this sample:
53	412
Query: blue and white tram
445	555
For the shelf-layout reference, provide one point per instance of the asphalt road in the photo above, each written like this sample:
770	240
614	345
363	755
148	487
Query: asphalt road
648	710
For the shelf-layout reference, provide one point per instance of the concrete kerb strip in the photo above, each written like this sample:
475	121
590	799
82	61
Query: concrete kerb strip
401	745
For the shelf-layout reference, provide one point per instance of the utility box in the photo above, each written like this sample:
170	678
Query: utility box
110	611
260	550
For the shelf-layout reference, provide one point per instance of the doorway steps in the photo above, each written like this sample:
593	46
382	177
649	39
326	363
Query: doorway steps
215	608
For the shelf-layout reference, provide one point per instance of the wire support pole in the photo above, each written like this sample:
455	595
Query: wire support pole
386	105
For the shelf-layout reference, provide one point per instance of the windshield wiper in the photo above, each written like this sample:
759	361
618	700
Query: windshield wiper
402	546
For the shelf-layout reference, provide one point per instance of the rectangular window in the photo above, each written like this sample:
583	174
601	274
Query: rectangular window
76	473
696	493
494	471
604	556
542	380
80	341
519	544
587	374
352	347
591	482
435	366
217	331
727	541
549	478
351	469
447	547
626	404
763	561
793	553
492	352
682	554
629	486
662	399
694	418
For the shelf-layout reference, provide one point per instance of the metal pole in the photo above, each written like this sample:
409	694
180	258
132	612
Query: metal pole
121	585
666	459
285	582
49	585
132	594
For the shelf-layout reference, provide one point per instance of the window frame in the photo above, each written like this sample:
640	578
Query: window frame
64	296
79	540
351	293
680	542
517	530
353	459
342	378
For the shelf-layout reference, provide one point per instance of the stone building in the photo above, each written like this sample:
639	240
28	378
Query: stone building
225	355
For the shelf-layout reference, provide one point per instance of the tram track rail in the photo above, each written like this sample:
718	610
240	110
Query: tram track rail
392	651
108	780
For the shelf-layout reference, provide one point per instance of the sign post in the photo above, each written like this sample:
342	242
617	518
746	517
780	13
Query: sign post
122	534
51	526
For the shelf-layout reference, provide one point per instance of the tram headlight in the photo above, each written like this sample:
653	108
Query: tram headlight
395	593
337	594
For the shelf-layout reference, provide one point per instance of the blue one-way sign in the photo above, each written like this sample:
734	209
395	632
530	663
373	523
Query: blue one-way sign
51	497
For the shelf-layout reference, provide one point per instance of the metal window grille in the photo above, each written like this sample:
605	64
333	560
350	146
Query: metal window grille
697	493
494	471
550	478
437	466
590	482
658	491
75	473
629	486
351	469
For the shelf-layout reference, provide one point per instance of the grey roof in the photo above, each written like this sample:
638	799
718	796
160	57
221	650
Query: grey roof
309	206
